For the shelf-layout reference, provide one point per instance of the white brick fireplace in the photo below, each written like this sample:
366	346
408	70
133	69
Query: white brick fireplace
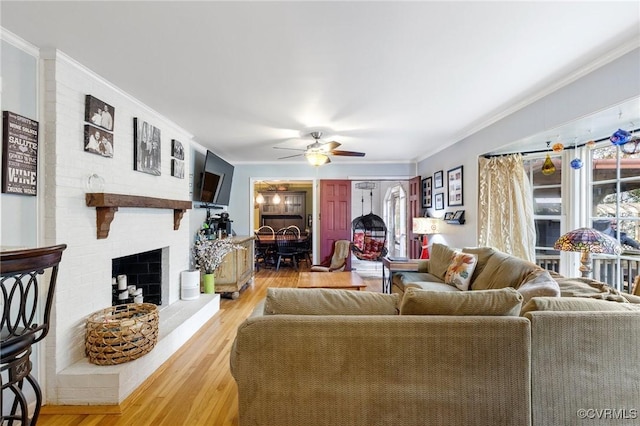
84	281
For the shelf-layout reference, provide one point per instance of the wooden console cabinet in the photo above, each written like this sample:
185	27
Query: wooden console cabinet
236	269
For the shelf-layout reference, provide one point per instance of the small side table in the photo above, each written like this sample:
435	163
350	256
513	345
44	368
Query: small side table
409	265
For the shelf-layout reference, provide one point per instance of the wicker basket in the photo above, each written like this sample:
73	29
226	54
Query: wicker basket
121	333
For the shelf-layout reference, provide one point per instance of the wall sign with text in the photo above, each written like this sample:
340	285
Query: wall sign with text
19	154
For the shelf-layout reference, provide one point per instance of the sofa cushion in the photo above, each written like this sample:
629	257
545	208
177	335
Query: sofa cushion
460	270
537	284
503	302
575	304
410	277
431	285
503	270
297	301
483	254
439	260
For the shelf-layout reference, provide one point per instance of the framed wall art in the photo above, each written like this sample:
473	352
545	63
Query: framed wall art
439	200
99	113
98	141
146	147
437	180
427	192
448	216
177	150
177	168
19	154
454	181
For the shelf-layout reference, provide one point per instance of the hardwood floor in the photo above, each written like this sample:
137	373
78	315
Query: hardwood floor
195	386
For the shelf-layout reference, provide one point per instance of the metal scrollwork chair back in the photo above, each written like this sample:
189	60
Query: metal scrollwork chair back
22	277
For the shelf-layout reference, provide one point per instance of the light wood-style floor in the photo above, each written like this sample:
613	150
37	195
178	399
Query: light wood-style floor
195	386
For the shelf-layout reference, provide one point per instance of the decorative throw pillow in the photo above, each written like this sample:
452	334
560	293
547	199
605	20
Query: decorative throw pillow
297	301
503	302
460	270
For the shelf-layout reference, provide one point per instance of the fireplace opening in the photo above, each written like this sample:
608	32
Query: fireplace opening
143	273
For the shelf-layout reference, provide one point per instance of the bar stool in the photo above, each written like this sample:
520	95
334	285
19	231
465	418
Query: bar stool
20	329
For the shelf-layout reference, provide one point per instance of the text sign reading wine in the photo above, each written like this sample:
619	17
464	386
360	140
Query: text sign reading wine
19	154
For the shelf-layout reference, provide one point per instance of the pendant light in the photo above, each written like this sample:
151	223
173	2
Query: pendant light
576	163
275	199
547	167
259	197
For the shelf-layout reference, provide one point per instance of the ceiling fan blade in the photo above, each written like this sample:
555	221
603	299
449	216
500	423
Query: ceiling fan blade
330	146
291	149
347	153
290	156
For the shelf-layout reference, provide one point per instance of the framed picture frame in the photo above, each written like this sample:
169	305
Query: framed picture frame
98	141
454	185
439	201
98	113
146	147
19	154
437	180
177	149
448	216
427	184
177	168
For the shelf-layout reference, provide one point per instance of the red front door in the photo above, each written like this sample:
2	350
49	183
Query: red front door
335	215
415	210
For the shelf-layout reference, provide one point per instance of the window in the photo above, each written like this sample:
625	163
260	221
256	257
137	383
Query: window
615	210
547	208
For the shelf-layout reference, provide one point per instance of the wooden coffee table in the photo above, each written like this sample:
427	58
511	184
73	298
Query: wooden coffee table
338	280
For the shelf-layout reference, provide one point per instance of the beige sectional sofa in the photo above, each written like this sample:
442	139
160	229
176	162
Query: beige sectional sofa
481	357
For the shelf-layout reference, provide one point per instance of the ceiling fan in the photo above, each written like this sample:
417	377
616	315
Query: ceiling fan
318	152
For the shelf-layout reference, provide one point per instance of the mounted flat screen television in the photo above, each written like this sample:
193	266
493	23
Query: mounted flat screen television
217	175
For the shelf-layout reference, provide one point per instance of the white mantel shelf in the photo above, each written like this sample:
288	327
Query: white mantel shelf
107	205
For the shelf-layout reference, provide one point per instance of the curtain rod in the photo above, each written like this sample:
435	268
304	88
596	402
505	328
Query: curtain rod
546	150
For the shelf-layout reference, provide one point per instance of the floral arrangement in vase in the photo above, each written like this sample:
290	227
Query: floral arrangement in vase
209	254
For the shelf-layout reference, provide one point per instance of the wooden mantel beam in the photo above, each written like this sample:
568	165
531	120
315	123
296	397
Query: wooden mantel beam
107	205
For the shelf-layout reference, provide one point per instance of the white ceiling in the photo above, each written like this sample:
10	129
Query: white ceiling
396	80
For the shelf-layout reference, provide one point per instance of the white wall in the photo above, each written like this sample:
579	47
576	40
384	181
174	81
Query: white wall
607	86
84	281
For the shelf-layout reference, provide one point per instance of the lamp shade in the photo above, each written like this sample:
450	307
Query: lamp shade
316	158
426	225
587	240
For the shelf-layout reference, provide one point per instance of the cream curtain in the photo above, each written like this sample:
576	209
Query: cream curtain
506	207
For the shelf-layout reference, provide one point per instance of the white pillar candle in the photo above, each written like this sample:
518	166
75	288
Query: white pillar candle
122	282
123	295
137	299
137	292
132	289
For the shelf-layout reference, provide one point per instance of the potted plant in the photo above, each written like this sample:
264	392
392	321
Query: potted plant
208	256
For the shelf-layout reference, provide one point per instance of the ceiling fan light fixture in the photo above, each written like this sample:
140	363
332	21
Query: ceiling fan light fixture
316	158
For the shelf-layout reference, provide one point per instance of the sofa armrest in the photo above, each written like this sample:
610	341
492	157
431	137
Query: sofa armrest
583	360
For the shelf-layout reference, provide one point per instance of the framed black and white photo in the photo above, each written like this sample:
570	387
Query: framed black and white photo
448	216
454	182
98	141
146	147
177	150
177	168
426	192
99	113
439	199
437	180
